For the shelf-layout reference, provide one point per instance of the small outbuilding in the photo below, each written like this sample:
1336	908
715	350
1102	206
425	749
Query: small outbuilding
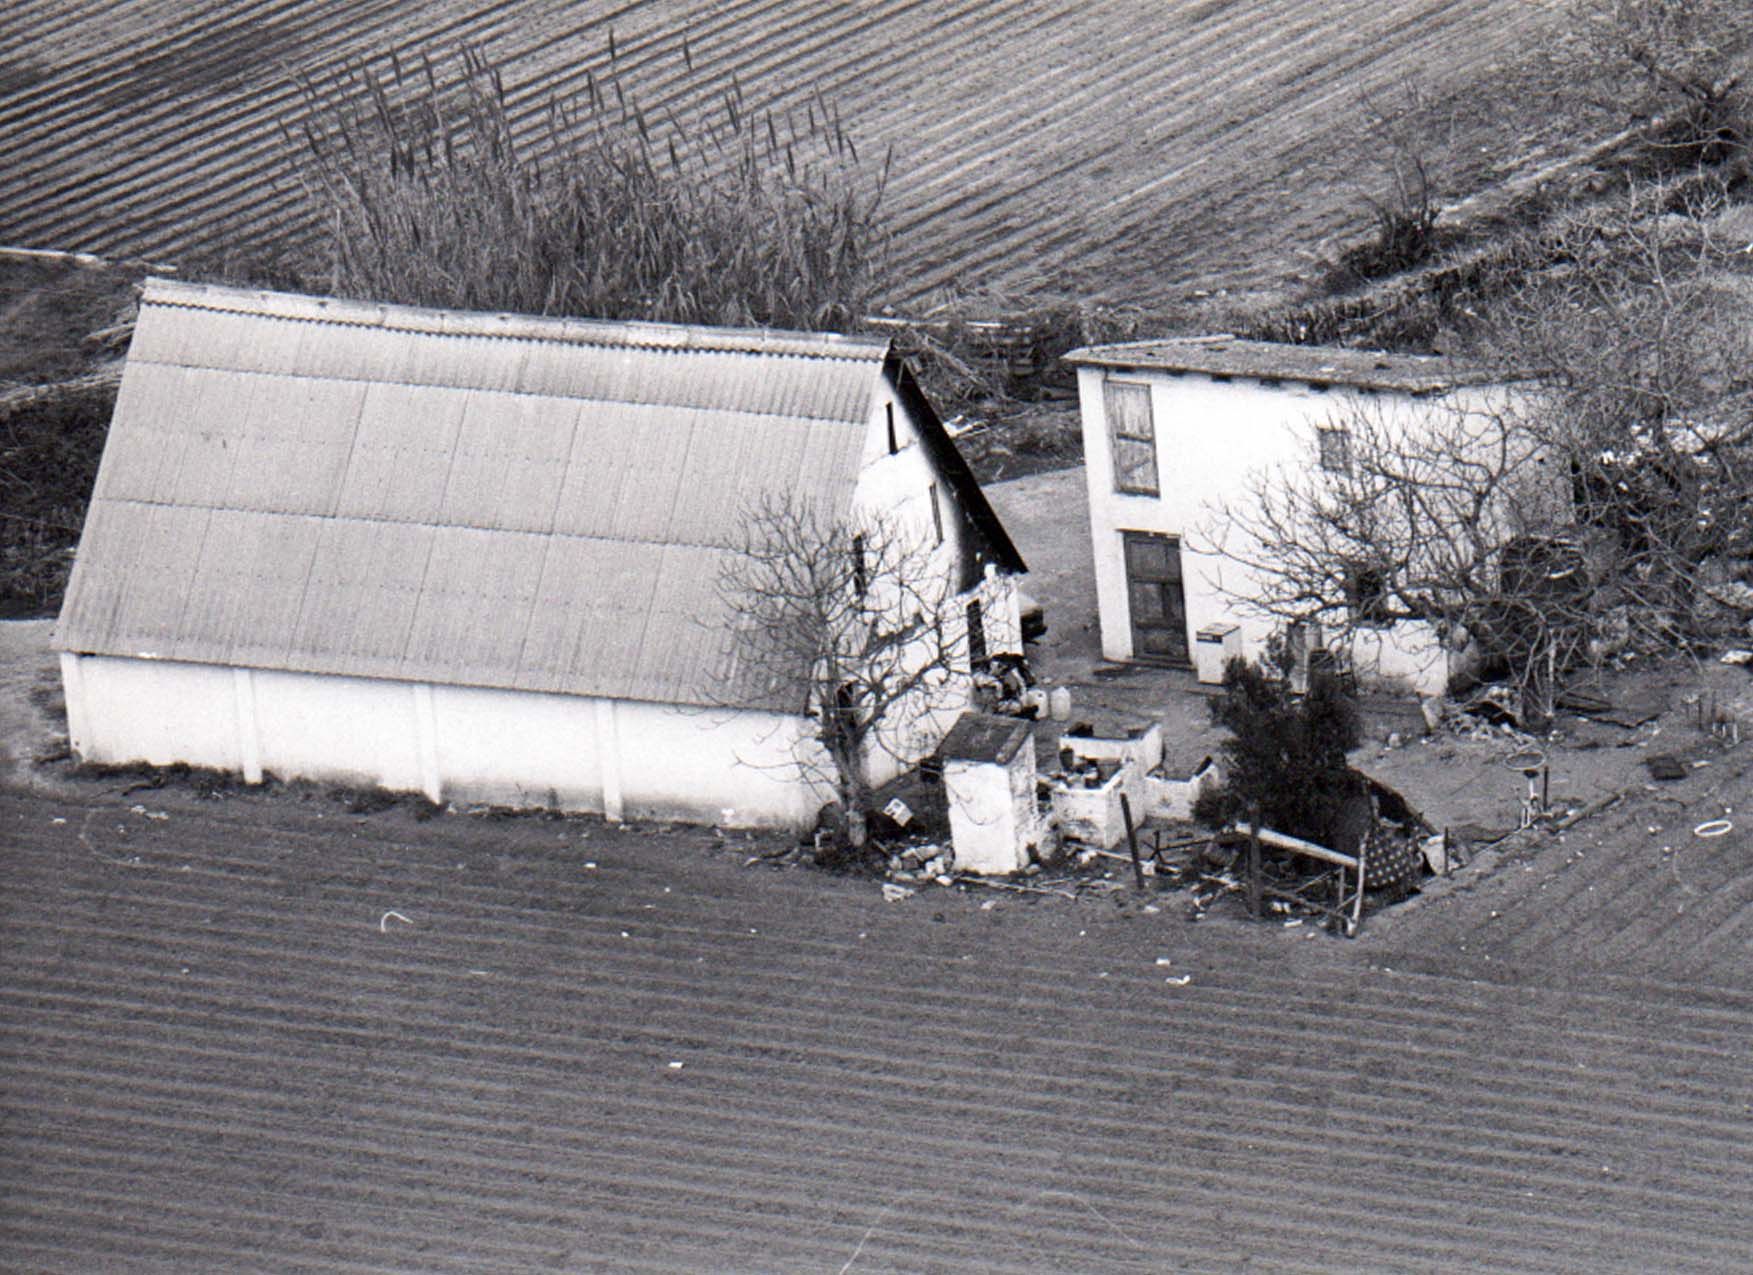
478	556
989	773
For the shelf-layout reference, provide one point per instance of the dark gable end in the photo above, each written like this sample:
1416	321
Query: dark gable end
988	543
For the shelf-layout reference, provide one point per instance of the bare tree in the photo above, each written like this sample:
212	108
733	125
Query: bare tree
1688	58
1587	510
1648	373
858	614
1455	516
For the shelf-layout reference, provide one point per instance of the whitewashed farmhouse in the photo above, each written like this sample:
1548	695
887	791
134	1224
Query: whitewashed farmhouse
477	556
1172	429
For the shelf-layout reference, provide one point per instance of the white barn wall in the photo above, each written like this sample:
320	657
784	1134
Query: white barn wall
617	757
1212	436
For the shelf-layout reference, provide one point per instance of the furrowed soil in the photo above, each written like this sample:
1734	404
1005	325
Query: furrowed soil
1105	151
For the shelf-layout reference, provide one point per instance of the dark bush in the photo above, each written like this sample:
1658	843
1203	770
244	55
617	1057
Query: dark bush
1284	762
49	452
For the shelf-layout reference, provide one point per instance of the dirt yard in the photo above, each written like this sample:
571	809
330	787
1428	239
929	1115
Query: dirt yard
1456	777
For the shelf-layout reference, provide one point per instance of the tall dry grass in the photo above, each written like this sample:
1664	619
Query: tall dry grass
435	191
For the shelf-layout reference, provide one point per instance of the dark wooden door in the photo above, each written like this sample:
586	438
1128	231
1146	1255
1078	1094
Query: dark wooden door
1155	598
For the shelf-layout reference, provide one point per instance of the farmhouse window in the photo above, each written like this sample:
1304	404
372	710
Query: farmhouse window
1335	449
894	442
1132	437
976	636
860	576
936	516
1366	594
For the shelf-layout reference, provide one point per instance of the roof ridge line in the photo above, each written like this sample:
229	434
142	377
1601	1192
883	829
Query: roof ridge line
645	334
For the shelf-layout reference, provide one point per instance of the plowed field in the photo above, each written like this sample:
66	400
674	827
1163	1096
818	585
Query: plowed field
1117	149
261	1034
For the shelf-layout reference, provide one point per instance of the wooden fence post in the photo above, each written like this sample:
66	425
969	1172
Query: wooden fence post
1254	865
1132	842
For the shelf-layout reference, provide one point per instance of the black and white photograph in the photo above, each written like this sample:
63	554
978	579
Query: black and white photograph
876	637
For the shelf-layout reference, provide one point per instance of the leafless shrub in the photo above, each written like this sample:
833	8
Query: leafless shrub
1683	60
1402	143
1456	517
435	192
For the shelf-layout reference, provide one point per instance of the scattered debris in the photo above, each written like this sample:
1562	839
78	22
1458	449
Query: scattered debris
1665	767
1593	808
384	920
893	893
149	814
1179	980
1731	593
1713	828
1017	888
1737	656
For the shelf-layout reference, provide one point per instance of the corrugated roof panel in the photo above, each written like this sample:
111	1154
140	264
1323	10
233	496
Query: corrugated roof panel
682	659
825	377
658	441
474	606
100	577
200	458
191	337
154	550
721	473
359	604
823	389
651	473
402	450
828	469
545	653
246	591
592	604
274	347
426	359
510	461
299	434
331	352
150	408
595	471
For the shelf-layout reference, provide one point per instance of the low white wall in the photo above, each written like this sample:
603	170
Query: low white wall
616	757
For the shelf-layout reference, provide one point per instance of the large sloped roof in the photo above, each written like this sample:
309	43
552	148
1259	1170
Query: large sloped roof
383	491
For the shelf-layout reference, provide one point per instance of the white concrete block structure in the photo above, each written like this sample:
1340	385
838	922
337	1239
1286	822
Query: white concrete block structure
478	556
1172	429
989	771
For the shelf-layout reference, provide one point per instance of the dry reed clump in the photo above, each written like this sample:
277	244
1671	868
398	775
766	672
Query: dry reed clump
458	195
